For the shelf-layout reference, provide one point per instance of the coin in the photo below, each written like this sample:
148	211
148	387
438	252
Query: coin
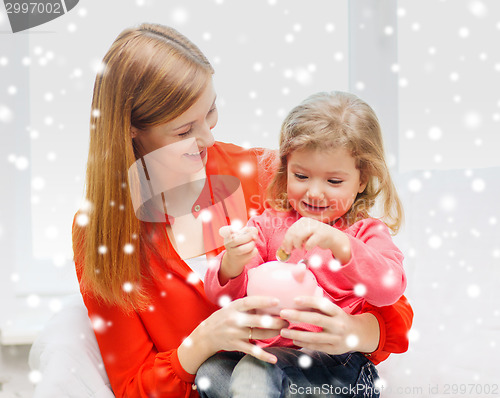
282	255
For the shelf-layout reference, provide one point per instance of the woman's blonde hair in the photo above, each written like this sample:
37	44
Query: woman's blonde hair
340	120
151	75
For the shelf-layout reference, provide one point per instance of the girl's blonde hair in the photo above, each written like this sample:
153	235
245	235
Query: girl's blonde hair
332	120
151	75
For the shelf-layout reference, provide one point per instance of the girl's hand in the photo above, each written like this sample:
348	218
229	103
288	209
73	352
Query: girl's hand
232	327
308	233
341	332
240	249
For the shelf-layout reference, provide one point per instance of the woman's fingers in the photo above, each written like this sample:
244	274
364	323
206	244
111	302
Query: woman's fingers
246	304
321	304
295	316
261	334
307	337
258	352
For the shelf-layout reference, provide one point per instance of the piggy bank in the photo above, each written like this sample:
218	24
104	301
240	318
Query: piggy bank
284	281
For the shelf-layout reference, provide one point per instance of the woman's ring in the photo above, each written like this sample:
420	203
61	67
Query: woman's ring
250	334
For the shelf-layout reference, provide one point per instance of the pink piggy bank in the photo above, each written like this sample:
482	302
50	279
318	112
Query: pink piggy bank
284	281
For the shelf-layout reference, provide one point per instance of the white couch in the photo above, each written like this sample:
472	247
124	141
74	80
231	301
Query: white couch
67	356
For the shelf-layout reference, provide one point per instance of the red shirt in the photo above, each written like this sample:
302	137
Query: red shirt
139	349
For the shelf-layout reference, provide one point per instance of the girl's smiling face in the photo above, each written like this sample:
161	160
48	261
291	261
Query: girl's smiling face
323	184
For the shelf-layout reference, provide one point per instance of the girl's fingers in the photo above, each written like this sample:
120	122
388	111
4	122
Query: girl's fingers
311	242
225	232
241	249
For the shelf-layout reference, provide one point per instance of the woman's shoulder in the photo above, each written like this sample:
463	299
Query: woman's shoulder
235	151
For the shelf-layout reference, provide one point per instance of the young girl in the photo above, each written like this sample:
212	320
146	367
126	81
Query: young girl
332	169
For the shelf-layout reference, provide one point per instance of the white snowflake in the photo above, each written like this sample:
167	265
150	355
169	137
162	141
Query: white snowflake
38	183
472	120
35	376
127	287
413	335
478	9
360	290
435	242
86	205
98	324
435	133
82	219
478	185
415	185
352	341
55	305
128	248
193	278
464	32
315	261
224	300
334	265
6	114
473	291
266	321
33	300
203	383
305	361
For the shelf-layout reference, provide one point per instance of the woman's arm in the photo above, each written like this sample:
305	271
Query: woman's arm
395	322
377	332
136	367
340	333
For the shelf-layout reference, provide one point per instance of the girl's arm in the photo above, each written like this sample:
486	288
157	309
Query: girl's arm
217	284
375	262
365	251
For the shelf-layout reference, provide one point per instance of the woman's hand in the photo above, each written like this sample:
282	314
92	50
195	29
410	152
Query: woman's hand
231	328
308	233
240	249
341	332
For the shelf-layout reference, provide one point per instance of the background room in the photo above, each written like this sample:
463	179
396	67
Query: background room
431	71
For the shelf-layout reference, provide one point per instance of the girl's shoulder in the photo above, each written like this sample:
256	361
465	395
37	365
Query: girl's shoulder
365	225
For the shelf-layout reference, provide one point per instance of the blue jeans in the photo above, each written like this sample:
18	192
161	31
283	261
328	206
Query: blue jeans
233	374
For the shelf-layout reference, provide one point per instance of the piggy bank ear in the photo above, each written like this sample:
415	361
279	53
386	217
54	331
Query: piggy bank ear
299	272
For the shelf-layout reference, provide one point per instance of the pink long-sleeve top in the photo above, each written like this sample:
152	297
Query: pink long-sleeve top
375	268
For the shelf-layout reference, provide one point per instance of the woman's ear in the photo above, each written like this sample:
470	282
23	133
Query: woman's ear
134	132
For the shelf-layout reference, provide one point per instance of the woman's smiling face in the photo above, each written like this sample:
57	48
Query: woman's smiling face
189	134
322	184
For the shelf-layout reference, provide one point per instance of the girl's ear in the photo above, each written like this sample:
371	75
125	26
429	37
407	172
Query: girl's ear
363	182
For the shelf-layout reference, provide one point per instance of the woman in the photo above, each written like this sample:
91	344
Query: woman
146	229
